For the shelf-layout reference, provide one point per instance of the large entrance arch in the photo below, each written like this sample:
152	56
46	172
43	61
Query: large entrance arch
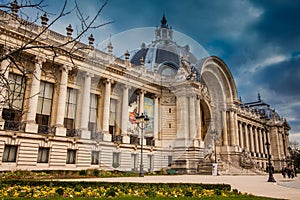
216	76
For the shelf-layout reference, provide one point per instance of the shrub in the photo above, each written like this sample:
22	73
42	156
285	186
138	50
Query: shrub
96	172
83	173
59	191
218	192
78	188
111	192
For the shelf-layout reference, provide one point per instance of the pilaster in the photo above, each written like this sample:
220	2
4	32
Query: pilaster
192	115
156	120
198	118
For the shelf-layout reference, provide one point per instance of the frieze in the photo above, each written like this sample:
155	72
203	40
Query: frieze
169	100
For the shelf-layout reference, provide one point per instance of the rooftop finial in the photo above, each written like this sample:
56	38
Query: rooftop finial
14	7
164	22
258	96
109	45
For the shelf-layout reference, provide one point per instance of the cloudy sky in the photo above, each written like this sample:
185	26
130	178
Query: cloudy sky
259	40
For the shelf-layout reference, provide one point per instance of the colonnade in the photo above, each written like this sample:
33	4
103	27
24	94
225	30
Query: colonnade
60	108
252	138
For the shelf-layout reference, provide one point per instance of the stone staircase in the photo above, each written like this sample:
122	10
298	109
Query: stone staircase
204	167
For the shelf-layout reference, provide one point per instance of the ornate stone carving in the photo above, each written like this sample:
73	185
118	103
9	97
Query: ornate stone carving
204	92
246	161
169	99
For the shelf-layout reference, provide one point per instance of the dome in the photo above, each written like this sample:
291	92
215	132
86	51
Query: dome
262	108
163	55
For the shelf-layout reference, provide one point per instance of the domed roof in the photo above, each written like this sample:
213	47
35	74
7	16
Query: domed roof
163	55
262	108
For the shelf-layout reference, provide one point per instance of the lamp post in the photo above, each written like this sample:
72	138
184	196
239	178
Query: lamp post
215	164
270	167
142	122
215	134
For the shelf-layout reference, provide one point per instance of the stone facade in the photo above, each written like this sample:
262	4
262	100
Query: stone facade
78	115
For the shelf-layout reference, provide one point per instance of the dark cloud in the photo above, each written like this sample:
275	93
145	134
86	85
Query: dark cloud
283	77
245	34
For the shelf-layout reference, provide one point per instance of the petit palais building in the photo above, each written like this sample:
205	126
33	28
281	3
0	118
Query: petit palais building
85	112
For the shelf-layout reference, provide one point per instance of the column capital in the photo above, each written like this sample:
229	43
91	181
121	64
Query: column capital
156	96
66	68
125	86
141	91
40	60
87	74
108	80
191	95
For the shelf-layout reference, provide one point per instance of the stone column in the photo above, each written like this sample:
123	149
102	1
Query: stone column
247	138
106	110
106	106
236	129
156	120
125	114
265	140
232	129
261	143
85	109
4	70
141	101
192	115
256	140
225	137
61	102
251	138
242	145
31	125
118	117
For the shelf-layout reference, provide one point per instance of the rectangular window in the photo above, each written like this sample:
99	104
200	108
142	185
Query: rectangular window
93	113
170	160
16	91
10	153
70	111
134	162
150	163
44	106
43	155
116	160
112	117
95	158
71	156
14	99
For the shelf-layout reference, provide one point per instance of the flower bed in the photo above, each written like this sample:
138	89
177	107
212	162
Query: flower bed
52	174
42	189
